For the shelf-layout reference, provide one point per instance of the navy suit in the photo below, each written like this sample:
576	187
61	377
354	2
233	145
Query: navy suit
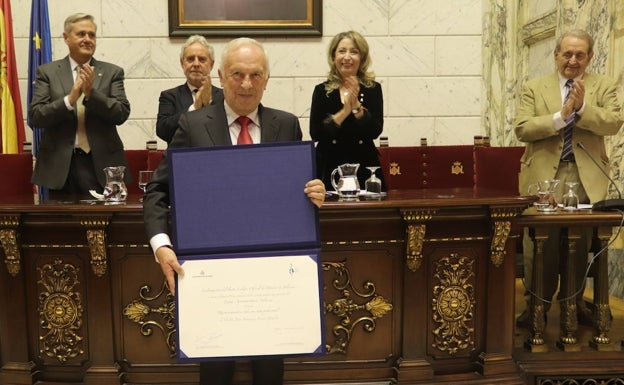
106	108
208	127
172	103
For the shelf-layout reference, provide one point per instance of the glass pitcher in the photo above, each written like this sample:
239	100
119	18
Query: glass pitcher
115	189
347	186
545	191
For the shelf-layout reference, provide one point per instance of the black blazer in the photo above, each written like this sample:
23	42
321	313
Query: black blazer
107	108
172	103
203	128
351	142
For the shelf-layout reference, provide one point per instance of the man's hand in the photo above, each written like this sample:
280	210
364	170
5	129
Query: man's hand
75	91
87	75
575	99
578	92
315	190
169	265
568	108
204	95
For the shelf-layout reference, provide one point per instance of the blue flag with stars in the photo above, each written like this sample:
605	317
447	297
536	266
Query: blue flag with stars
40	53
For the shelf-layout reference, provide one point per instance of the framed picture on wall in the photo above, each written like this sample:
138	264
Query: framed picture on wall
245	17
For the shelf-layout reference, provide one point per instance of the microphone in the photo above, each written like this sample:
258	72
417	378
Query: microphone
607	204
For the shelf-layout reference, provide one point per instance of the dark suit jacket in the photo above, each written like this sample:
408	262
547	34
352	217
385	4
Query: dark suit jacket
351	142
106	108
172	103
203	128
541	98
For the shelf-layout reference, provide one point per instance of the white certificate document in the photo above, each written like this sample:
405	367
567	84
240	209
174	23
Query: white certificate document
252	306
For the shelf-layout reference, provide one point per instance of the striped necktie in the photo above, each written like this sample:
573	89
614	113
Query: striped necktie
567	152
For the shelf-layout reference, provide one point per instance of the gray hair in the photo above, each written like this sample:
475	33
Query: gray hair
579	34
76	17
197	39
235	44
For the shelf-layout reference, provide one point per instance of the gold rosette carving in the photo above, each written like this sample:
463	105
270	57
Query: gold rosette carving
349	312
453	304
60	311
145	311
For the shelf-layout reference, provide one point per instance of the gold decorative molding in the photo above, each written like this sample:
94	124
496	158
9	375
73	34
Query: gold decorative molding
416	235
9	242
502	226
363	242
579	379
453	304
603	323
60	311
139	310
415	240
96	238
344	308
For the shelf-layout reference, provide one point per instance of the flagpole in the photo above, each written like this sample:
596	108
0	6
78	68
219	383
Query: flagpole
40	52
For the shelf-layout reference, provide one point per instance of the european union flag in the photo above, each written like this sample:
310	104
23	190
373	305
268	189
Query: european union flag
40	53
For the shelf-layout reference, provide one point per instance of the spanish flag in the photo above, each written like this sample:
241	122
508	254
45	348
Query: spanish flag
11	110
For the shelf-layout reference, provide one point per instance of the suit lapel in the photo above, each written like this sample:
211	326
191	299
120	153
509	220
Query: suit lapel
269	126
215	124
552	93
589	80
186	98
64	73
99	72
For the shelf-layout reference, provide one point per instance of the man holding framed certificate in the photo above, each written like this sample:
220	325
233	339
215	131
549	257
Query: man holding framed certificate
244	73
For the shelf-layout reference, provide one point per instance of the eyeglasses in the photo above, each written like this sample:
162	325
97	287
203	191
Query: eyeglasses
580	56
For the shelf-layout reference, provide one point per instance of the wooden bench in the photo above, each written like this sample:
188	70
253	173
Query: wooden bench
16	170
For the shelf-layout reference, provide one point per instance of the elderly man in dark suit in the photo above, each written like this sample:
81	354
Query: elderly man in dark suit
196	59
244	73
78	101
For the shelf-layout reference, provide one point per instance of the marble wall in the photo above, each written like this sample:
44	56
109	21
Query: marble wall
426	54
519	39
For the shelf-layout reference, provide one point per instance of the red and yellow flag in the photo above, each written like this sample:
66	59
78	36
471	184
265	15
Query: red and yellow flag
13	135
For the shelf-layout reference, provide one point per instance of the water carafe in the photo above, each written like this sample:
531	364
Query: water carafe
545	191
347	186
115	189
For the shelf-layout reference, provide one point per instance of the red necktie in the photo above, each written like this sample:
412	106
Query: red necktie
243	136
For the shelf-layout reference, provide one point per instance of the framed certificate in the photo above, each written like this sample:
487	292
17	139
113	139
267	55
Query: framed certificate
250	306
248	239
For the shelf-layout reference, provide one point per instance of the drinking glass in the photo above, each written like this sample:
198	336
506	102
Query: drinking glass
373	184
144	177
570	200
